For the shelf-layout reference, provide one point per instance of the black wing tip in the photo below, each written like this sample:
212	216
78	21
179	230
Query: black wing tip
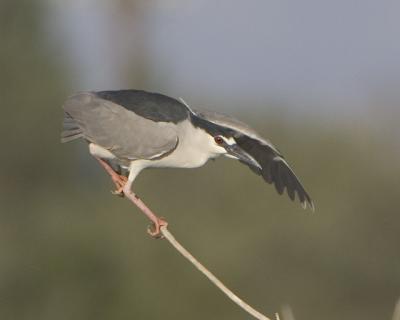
283	178
308	203
275	170
304	199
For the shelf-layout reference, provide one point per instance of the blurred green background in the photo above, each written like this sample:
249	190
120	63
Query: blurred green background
71	250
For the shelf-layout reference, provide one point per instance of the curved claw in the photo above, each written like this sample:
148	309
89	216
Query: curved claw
118	192
154	230
119	182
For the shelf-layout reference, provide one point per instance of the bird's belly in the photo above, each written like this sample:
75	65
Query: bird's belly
178	159
182	159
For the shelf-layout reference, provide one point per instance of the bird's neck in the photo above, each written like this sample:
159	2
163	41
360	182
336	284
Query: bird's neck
194	149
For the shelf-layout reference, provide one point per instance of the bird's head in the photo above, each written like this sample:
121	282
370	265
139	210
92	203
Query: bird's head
221	141
227	146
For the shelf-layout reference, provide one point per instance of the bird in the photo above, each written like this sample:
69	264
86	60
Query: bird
131	130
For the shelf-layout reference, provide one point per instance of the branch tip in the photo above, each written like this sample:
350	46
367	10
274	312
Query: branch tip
246	307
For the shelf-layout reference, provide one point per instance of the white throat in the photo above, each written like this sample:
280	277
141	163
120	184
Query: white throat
195	147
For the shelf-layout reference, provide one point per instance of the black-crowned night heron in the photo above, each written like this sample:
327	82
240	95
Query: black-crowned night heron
134	130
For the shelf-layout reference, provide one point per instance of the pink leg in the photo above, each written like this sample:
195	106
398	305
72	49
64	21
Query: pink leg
118	180
158	222
124	188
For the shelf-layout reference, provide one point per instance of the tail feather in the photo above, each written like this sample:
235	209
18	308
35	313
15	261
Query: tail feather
71	129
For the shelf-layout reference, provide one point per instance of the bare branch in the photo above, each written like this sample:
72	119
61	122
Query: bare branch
396	313
287	313
171	239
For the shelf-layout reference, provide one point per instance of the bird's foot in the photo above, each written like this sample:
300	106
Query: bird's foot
157	222
119	182
155	228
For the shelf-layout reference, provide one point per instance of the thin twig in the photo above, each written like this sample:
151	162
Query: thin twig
171	239
396	313
287	313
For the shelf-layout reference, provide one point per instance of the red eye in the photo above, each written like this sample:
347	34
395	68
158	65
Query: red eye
218	140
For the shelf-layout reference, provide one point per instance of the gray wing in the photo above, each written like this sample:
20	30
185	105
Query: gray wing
115	128
275	169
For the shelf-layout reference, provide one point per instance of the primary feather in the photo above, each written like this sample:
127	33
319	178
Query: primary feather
275	170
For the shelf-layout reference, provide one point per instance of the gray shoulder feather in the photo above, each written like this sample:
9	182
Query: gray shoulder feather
116	128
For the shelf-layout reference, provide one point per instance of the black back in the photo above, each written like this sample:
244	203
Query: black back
211	127
153	106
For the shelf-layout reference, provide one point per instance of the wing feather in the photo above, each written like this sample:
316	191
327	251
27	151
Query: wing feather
275	169
117	129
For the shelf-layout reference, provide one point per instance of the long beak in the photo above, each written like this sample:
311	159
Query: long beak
236	152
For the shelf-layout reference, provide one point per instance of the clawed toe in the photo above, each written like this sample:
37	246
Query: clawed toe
119	182
118	192
155	229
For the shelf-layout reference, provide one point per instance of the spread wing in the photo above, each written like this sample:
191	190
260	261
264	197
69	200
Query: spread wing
275	169
116	128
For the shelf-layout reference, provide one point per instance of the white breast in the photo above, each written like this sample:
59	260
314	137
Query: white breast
195	147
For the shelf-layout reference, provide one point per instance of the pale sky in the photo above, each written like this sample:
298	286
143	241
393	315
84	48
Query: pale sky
308	54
